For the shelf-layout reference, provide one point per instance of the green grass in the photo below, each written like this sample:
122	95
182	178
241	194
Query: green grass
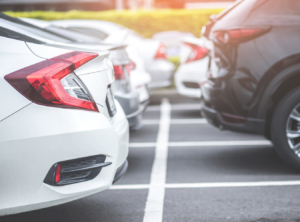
147	23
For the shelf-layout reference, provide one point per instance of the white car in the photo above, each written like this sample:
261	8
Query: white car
151	51
62	134
140	79
132	99
192	71
172	40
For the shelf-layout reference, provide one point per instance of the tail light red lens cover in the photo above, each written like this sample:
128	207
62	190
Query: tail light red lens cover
161	52
239	35
198	52
119	72
53	83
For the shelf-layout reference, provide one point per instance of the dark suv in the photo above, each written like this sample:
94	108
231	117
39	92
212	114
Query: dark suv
254	72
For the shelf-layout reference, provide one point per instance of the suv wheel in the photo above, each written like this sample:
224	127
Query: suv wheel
285	128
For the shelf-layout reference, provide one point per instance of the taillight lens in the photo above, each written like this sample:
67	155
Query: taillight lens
53	83
119	71
161	52
239	35
197	53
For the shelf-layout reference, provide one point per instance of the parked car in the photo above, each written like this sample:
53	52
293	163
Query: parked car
62	134
192	71
254	71
128	98
140	79
152	51
172	40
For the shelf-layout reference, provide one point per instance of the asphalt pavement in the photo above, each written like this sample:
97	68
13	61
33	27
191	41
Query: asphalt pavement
187	170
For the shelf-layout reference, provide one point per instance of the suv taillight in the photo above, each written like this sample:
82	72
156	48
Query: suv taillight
53	83
161	52
240	35
197	53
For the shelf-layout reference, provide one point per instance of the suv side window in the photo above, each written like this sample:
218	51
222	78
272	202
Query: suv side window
276	12
238	14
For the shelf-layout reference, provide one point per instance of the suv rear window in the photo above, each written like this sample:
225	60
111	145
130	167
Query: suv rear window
277	12
17	36
239	13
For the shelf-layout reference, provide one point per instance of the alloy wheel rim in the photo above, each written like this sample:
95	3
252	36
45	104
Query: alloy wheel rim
293	130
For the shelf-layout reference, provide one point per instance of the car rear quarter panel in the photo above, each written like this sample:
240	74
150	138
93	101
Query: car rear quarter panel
14	55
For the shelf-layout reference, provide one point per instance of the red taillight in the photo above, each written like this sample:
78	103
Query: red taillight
57	173
76	58
119	72
53	83
197	53
239	35
161	52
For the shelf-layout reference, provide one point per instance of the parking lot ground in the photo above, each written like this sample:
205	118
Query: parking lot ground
183	169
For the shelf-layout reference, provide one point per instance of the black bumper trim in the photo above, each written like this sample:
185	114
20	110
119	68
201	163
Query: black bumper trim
121	171
251	125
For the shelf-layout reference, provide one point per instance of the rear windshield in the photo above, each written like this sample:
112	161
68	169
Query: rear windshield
17	36
28	28
277	12
73	35
88	31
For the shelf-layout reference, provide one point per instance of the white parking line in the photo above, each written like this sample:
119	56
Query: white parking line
206	143
210	185
176	121
155	201
186	107
164	92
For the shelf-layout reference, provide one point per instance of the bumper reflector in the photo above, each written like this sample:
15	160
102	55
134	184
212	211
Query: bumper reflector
75	171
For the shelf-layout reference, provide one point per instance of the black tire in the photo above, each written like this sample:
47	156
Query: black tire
278	128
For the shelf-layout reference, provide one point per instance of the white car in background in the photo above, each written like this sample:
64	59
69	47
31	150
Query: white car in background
132	99
192	71
62	134
151	51
172	40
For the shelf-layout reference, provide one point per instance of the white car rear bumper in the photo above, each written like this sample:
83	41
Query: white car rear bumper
189	76
49	136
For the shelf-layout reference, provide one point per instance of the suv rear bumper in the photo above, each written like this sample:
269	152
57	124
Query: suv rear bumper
215	118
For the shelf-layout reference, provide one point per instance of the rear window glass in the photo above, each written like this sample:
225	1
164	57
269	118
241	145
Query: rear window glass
243	9
28	28
238	13
17	36
88	31
277	12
